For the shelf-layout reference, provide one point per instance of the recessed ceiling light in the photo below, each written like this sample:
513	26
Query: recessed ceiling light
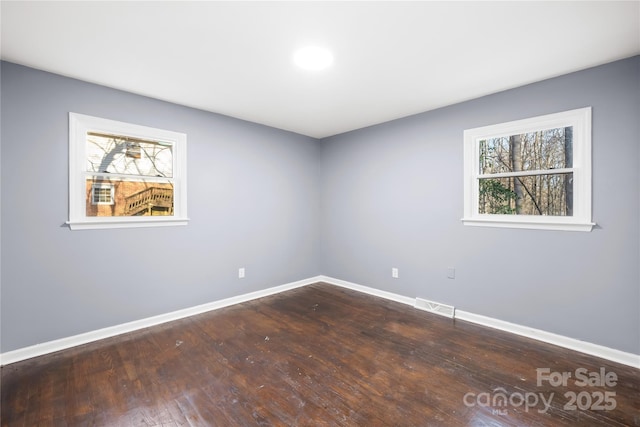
313	58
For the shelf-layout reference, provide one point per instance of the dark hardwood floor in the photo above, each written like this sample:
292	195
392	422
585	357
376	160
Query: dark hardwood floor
318	356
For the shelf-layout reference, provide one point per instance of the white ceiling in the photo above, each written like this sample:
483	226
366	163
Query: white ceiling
391	59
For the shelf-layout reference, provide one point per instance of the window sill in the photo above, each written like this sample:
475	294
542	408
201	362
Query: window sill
534	223
125	223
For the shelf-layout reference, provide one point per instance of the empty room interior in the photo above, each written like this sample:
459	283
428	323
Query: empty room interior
320	213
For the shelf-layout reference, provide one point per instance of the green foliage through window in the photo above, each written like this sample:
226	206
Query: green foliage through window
495	198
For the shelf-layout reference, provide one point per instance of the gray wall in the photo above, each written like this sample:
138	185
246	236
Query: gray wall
288	207
392	197
252	198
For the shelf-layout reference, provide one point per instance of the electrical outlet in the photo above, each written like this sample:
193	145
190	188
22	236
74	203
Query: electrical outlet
451	273
394	273
241	273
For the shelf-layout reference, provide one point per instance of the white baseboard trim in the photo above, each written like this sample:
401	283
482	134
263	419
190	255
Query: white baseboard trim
603	352
367	290
84	338
597	350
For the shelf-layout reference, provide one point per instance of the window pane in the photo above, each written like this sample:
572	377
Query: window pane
126	155
550	195
128	197
542	150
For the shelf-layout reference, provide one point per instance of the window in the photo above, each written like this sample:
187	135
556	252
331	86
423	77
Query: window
532	173
125	175
102	194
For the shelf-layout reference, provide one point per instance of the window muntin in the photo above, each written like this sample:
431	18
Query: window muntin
125	175
532	173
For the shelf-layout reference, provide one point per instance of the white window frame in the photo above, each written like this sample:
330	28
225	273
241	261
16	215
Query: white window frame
580	120
79	126
101	187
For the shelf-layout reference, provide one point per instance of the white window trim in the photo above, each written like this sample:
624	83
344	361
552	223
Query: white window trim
79	125
580	119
